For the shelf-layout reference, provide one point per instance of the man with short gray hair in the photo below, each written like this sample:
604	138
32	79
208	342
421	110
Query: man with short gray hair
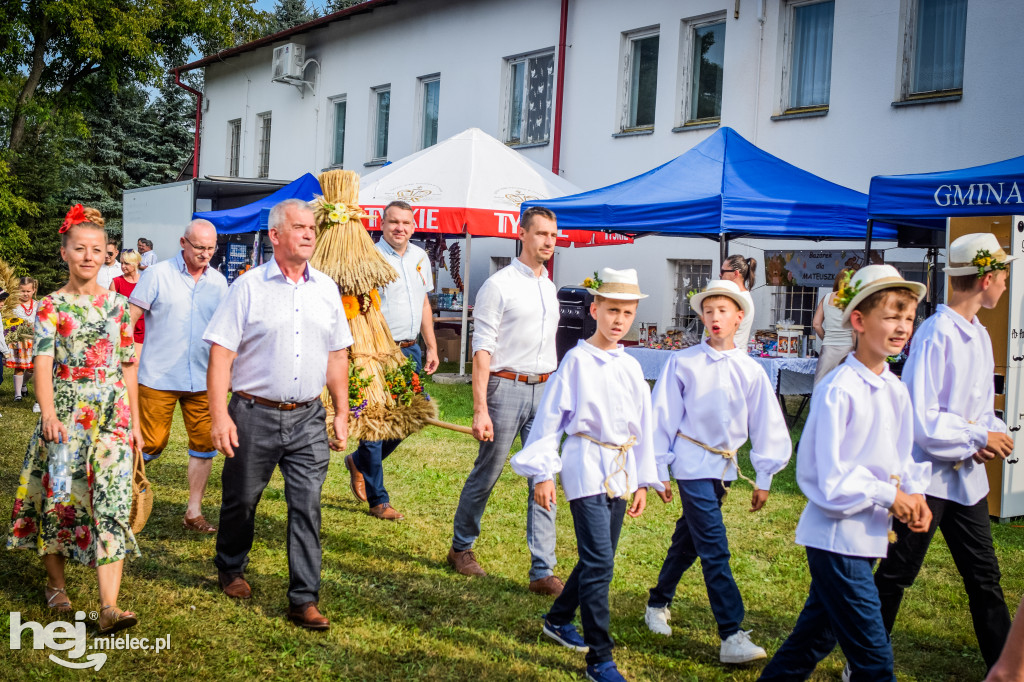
178	297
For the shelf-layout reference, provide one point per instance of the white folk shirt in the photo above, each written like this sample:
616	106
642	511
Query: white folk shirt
717	398
515	319
401	302
108	273
949	375
602	394
282	331
858	434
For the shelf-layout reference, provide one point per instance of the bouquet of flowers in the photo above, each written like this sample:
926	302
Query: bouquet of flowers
16	331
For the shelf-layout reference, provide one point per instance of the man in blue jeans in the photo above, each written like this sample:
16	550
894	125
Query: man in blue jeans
406	309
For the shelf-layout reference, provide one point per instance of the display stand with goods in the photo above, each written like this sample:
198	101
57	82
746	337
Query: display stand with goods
386	398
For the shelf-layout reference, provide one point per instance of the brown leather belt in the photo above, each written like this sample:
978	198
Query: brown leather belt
284	407
406	344
527	378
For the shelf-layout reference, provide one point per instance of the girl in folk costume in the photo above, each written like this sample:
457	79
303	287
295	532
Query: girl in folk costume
87	387
708	400
21	352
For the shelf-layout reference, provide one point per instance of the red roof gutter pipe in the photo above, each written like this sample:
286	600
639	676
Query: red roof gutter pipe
199	119
556	152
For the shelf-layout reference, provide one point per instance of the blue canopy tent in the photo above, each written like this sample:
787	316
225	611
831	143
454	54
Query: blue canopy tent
724	187
247	218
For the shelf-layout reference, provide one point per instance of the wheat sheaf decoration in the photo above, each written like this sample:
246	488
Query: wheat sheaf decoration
386	399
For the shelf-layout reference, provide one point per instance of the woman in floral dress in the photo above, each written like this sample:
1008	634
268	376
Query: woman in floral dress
86	383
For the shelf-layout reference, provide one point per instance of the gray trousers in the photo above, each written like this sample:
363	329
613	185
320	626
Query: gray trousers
511	406
268	438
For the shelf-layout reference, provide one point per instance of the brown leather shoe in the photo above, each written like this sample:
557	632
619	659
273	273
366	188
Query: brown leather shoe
385	512
308	616
465	562
234	585
199	524
551	586
355	479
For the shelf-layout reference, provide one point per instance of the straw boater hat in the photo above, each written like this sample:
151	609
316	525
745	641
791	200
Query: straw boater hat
621	285
722	287
868	280
976	253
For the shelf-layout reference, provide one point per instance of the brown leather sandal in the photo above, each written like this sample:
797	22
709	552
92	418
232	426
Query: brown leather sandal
199	524
121	620
57	599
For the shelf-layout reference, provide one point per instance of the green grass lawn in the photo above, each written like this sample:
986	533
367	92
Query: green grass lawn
398	613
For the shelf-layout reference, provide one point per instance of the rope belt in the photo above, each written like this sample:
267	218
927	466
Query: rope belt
892	533
620	460
727	455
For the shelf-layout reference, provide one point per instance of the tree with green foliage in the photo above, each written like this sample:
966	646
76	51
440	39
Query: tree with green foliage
288	13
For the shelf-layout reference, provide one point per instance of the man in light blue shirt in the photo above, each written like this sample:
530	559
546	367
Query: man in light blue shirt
406	309
178	297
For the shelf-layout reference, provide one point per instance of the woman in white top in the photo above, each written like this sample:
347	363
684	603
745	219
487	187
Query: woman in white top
836	342
741	271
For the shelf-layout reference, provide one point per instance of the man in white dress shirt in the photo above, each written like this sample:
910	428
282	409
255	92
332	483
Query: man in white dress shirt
949	373
406	309
110	268
147	253
279	336
515	320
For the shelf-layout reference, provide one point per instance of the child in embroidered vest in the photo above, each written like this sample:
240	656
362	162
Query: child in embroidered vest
599	398
949	376
855	467
708	400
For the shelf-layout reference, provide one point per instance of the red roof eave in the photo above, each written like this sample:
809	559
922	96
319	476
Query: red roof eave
362	8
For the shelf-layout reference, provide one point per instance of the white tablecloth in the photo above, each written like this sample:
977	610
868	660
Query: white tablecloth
652	361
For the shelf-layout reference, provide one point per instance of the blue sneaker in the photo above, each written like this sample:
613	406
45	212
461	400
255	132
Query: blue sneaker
604	672
566	635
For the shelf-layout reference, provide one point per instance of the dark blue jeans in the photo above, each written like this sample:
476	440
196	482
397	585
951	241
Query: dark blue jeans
598	521
843	606
370	454
700	532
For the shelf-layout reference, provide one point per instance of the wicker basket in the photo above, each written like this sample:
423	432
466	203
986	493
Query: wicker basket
142	496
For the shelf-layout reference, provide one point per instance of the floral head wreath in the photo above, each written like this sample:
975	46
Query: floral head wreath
846	292
75	216
985	262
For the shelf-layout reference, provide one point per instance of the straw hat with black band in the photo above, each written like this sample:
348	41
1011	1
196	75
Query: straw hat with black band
868	280
976	254
620	285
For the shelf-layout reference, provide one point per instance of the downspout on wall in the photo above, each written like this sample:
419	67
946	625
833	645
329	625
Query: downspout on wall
556	151
199	120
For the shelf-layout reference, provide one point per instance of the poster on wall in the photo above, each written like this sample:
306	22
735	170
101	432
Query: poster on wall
811	268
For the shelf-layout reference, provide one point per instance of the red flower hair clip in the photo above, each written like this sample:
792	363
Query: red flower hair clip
75	215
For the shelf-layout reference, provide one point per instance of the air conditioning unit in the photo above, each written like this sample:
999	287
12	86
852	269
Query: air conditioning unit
288	60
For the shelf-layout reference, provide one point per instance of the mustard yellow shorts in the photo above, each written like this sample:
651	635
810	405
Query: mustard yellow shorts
156	409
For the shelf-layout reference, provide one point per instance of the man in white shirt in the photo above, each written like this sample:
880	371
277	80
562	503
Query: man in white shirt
949	374
110	268
178	298
515	320
278	338
406	309
147	253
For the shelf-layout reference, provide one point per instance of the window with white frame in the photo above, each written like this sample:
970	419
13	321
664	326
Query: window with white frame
807	81
794	303
528	98
234	147
339	112
499	262
430	98
703	59
380	103
934	39
263	122
690	275
639	79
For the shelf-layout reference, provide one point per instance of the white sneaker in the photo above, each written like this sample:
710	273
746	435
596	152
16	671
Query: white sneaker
739	649
36	408
846	673
657	620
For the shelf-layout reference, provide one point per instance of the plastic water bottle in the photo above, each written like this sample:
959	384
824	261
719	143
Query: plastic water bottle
60	470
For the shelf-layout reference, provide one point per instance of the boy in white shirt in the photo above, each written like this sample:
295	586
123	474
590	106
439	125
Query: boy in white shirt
708	399
599	398
854	466
949	375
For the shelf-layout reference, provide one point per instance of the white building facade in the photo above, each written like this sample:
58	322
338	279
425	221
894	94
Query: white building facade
845	89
